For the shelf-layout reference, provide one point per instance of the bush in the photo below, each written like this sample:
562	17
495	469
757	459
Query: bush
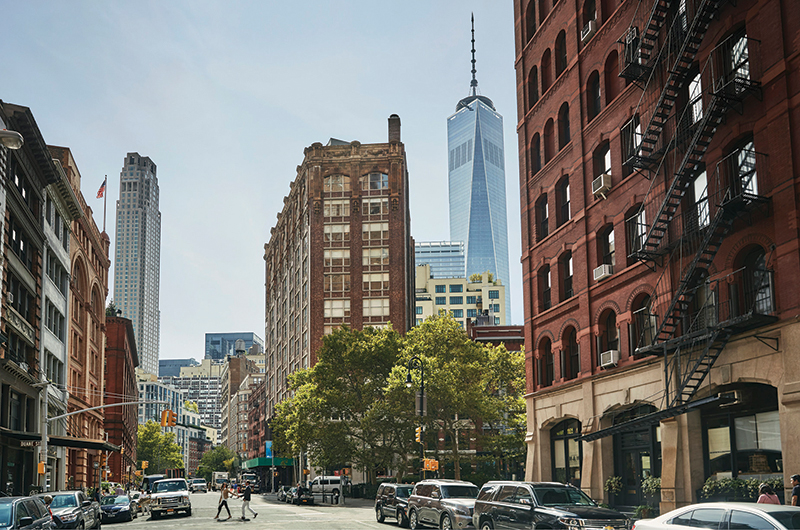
613	484
736	488
651	485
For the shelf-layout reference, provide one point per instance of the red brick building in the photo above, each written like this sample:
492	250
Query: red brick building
659	241
121	423
512	337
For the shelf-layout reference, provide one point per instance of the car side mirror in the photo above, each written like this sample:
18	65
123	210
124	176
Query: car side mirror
25	521
86	503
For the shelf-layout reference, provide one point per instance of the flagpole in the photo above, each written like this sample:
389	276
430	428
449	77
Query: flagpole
105	200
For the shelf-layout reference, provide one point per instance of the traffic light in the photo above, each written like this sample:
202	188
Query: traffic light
164	417
418	436
172	419
103	459
41	469
145	463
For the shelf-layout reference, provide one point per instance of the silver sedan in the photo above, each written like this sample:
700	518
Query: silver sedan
726	516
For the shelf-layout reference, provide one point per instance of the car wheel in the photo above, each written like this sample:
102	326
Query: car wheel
379	514
402	520
446	524
189	512
155	515
413	520
487	525
98	523
81	526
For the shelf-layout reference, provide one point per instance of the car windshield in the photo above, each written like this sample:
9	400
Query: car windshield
789	519
114	499
5	514
63	501
560	496
403	492
455	492
169	485
198	481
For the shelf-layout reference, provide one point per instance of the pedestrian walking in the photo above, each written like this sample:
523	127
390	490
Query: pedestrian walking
223	500
246	493
767	496
795	490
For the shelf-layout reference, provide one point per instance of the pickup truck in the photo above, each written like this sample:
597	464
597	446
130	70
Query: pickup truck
169	496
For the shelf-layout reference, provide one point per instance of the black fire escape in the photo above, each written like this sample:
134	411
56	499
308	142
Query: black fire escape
692	315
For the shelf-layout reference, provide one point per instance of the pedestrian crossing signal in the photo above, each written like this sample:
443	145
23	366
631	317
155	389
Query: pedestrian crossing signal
418	436
430	464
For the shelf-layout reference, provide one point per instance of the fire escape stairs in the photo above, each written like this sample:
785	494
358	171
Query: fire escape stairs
699	368
677	76
651	30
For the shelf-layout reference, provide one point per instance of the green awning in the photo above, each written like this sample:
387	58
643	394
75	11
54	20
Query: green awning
267	462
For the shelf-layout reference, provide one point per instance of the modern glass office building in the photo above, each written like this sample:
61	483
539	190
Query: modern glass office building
477	185
446	258
221	345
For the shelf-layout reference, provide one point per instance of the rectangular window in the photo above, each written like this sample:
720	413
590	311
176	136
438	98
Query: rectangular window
337	258
375	181
337	283
472	300
337	308
376	281
336	208
376	307
374	256
375	206
441	300
338	232
441	288
374	231
494	295
456	288
472	313
456	300
419	309
496	308
458	313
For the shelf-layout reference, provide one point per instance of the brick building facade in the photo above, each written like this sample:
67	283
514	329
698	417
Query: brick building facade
121	423
659	241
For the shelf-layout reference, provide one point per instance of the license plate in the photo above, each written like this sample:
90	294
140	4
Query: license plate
171	510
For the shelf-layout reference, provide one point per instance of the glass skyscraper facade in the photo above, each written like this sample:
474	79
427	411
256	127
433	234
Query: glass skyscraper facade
446	258
221	345
477	187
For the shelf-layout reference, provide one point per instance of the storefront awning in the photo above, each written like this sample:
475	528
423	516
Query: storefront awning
651	419
82	443
267	462
19	435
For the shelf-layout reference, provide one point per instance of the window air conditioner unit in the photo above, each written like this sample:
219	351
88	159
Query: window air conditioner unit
602	272
588	30
24	366
609	358
601	185
10	297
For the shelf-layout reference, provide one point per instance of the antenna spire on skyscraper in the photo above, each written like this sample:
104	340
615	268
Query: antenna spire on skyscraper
474	83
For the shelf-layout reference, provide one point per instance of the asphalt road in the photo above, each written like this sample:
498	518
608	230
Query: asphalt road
355	514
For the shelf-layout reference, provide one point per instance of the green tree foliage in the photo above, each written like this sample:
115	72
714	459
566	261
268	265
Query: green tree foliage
220	458
340	412
475	278
111	309
158	448
191	406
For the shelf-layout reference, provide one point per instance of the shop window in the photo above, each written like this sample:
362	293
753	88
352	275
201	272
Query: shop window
566	452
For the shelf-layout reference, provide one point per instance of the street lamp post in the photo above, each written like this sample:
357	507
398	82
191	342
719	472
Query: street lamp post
415	363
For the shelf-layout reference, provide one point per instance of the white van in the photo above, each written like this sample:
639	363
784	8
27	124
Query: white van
328	484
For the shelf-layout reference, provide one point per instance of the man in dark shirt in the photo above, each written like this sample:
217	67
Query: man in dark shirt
795	490
246	494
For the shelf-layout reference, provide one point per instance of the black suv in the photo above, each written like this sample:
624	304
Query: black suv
24	512
510	504
392	501
73	509
445	504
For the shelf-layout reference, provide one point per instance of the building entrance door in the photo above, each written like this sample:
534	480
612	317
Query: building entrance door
637	463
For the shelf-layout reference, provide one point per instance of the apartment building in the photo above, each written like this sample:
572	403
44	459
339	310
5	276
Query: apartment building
467	298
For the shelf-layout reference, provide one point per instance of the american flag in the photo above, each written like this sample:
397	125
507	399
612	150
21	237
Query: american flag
102	191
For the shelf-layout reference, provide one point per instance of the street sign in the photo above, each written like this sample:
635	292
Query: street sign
30	443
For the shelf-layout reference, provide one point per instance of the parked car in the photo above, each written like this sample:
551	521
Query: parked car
300	495
170	496
282	491
24	512
506	504
328	484
149	480
392	501
725	516
136	497
199	485
73	509
442	503
117	508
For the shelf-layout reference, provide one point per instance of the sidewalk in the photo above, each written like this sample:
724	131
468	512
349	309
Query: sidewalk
348	502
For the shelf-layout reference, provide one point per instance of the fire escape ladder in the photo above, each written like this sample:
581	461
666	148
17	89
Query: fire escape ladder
687	47
698	369
638	50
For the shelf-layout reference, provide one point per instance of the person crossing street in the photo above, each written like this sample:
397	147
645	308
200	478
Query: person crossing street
245	494
223	500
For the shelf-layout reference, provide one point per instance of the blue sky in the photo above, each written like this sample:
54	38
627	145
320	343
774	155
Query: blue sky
224	97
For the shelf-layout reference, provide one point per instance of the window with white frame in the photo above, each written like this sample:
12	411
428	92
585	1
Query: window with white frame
375	256
336	208
336	232
375	206
376	307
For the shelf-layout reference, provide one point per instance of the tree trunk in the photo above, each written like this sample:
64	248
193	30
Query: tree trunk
456	456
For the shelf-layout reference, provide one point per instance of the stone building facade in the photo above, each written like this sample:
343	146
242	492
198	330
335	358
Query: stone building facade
121	423
659	242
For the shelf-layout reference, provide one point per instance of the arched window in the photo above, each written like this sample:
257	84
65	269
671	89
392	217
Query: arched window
563	212
336	183
549	141
533	87
546	71
563	126
606	246
544	9
542	218
530	21
571	352
566	452
609	334
565	273
644	323
545	301
593	95
741	168
561	52
375	181
601	159
636	231
611	75
545	362
589	12
536	154
758	282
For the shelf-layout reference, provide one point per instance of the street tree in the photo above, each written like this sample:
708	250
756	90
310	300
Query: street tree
191	406
158	448
340	412
220	458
